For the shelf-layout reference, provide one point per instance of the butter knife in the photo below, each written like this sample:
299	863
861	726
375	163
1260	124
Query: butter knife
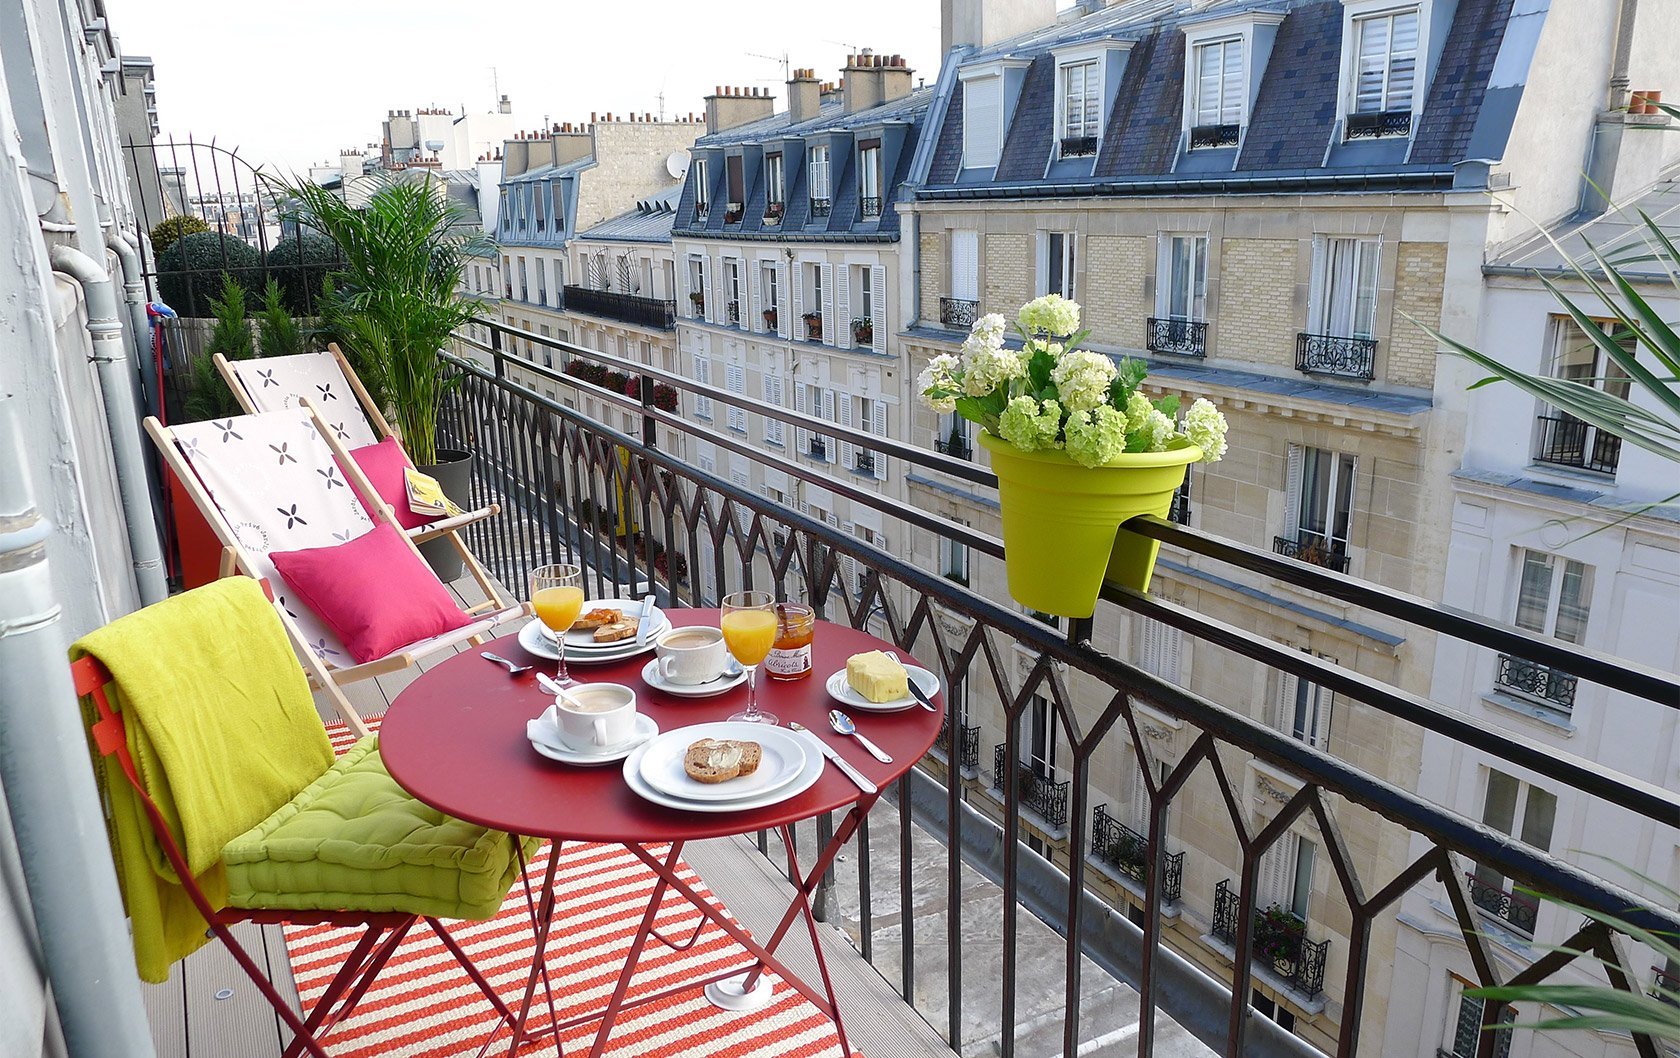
834	755
915	691
642	625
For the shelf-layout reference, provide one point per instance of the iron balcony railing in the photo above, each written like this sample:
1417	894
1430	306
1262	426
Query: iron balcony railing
1079	146
1380	123
1042	794
817	448
1313	548
1183	337
773	212
1123	848
1336	354
1509	906
625	308
864	462
870	206
1665	985
820	207
732	313
958	312
696	535
968	755
1537	681
1280	941
1568	442
1215	135
956	446
1179	512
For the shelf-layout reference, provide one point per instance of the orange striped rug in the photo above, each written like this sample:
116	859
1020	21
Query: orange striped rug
421	1004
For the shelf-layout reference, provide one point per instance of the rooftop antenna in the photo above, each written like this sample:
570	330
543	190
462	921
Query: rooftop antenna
661	98
495	87
787	63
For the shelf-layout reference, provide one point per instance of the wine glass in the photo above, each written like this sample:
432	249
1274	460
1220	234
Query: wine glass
557	596
749	630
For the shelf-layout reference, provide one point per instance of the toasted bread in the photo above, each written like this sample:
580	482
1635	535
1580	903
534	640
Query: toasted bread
596	618
752	754
624	628
713	760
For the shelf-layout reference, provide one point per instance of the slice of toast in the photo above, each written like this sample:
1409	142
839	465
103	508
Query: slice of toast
624	628
712	761
752	754
596	618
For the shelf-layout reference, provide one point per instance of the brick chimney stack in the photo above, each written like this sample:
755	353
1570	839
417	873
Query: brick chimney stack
870	80
729	106
804	96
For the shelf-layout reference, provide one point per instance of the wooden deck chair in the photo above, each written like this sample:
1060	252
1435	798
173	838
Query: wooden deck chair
326	380
277	481
382	931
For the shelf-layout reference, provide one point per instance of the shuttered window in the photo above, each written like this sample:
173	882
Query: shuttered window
1385	75
1219	82
773	188
702	375
732	169
982	122
1081	112
819	173
735	381
774	429
965	265
702	190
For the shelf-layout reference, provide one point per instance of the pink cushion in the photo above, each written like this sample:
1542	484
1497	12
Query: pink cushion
384	463
374	592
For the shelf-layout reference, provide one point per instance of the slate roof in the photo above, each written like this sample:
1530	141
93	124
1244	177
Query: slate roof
1619	234
1291	134
650	221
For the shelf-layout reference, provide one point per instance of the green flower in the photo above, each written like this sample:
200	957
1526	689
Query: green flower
1205	427
1138	408
1050	314
1082	380
1029	425
987	365
939	384
1096	437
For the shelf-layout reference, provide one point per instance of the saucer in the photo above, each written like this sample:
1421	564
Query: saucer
645	729
651	677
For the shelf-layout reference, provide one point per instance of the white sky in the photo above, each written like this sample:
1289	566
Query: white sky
292	83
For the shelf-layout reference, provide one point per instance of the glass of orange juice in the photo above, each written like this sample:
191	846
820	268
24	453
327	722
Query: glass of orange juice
749	631
557	596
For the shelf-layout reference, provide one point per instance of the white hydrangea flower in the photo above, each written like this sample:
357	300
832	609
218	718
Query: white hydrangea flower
986	364
990	327
1082	379
938	383
1158	430
1205	427
1138	408
1050	314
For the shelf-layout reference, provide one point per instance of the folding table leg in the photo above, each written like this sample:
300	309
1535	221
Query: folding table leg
545	921
610	1014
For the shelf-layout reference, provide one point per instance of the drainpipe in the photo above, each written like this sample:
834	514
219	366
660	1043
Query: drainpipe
50	792
112	363
134	297
1626	14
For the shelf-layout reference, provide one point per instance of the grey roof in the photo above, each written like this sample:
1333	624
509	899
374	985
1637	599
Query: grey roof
1620	234
650	221
1608	502
831	117
548	172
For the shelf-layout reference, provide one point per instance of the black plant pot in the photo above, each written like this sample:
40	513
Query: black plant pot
453	472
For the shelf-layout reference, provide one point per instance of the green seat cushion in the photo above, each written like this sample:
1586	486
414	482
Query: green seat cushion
354	840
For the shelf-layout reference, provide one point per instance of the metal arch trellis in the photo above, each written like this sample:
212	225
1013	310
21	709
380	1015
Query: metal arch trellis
542	459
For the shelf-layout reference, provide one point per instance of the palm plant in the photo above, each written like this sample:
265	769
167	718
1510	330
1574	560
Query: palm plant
395	299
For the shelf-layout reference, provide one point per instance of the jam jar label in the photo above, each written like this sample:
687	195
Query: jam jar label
789	661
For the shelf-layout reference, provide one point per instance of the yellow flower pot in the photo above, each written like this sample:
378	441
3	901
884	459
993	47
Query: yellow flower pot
1061	521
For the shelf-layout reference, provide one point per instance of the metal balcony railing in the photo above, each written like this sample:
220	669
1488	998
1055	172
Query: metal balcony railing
732	313
1380	123
821	207
1310	547
1078	146
1184	337
1336	354
864	462
870	206
773	212
1537	681
968	756
1665	985
1215	136
545	463
958	312
625	308
956	446
1123	848
1568	442
1042	794
1278	941
1505	904
817	448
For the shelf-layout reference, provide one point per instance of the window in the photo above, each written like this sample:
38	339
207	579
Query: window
542	281
507	278
1344	299
951	436
774	187
982	122
1385	67
1553	595
1058	265
1081	109
871	419
1181	291
821	195
732	291
1159	649
702	188
697	286
772	291
965	265
735	381
774	429
1318	506
1526	813
866	293
1560	438
1218	111
1467	1029
869	178
953	559
736	189
1286	875
1303	709
1041	738
702	375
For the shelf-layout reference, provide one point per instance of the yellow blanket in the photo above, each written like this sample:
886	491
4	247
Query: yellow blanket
223	731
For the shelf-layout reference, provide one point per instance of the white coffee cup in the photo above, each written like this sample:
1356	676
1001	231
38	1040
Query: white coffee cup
595	716
689	656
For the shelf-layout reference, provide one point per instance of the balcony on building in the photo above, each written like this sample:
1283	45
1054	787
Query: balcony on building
1540	683
1180	337
821	207
656	313
1039	792
1215	135
955	444
1370	126
864	462
968	749
1498	899
869	206
1313	548
1565	441
1278	942
1118	846
817	448
1078	146
959	313
1344	356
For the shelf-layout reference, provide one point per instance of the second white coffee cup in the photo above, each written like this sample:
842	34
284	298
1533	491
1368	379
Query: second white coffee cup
689	656
596	716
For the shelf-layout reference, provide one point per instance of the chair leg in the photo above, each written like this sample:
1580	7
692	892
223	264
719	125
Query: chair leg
300	1031
341	980
472	970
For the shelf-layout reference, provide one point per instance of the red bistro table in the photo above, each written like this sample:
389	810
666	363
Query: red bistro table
455	739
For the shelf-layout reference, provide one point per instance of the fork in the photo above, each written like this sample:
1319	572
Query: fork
513	670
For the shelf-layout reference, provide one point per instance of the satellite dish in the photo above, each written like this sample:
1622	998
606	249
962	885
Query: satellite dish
676	163
434	145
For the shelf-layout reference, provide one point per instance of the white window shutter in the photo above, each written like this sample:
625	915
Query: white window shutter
843	307
784	318
878	425
1137	803
798	301
1041	280
982	122
702	375
1284	705
1292	493
848	564
848	451
1321	721
735	380
878	305
1318	298
801	436
756	323
831	326
681	293
965	265
828	416
1277	874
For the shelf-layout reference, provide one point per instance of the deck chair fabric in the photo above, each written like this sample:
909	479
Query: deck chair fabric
280	383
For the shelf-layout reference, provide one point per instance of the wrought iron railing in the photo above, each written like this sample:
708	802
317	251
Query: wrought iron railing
968	751
820	207
1568	442
1665	985
863	330
1215	135
1380	123
732	313
1310	547
1279	939
1078	146
1184	337
958	312
954	445
773	212
1537	681
542	461
816	448
1506	904
870	206
1121	847
813	326
1042	794
864	462
1336	354
626	308
1179	512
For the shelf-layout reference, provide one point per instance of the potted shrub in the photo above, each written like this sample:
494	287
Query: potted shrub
1077	449
769	319
1278	935
394	301
813	325
863	331
698	300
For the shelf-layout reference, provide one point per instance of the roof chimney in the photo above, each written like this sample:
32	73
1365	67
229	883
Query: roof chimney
871	80
982	23
804	96
730	106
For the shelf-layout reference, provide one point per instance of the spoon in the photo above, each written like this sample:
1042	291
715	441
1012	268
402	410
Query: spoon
513	670
842	723
555	689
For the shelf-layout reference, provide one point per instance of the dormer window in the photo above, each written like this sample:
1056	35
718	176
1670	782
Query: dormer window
1219	93
774	202
869	178
982	122
1081	109
735	205
821	195
1384	76
702	189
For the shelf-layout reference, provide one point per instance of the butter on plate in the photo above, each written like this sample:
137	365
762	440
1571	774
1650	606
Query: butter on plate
877	677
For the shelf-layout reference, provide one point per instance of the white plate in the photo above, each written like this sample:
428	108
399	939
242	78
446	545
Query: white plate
534	638
582	641
651	677
842	692
799	784
645	729
661	767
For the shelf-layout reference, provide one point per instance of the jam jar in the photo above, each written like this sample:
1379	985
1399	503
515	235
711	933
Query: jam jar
790	657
